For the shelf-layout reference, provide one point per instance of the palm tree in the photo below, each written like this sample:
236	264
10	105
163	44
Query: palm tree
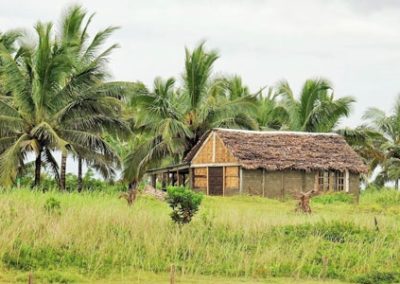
57	101
170	121
210	102
159	119
367	143
316	110
32	76
389	143
87	81
271	114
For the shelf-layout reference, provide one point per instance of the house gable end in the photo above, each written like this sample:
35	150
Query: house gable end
213	151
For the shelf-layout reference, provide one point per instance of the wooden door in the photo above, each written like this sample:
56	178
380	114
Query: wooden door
215	181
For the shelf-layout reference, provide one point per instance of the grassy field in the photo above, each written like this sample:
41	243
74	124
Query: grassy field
97	237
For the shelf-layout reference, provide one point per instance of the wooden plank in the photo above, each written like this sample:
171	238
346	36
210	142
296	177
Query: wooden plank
201	147
208	192
241	180
214	146
263	182
215	165
215	180
223	181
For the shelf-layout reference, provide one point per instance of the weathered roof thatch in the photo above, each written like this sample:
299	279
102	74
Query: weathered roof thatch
277	150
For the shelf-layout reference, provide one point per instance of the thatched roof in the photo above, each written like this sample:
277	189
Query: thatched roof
277	150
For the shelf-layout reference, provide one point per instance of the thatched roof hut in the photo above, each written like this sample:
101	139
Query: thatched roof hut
267	163
280	150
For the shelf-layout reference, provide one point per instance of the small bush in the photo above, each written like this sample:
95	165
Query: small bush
378	278
334	198
50	277
335	231
52	206
184	203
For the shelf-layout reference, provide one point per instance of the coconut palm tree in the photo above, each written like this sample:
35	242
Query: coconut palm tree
58	101
367	142
86	81
271	114
389	143
210	102
316	110
159	119
32	76
172	120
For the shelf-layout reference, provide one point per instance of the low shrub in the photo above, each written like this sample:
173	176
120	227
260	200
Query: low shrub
50	277
184	202
334	231
26	257
334	198
52	206
378	278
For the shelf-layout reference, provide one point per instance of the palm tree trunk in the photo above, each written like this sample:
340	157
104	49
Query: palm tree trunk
38	168
63	170
80	180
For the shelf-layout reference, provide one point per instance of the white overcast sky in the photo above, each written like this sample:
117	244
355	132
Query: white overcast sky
353	43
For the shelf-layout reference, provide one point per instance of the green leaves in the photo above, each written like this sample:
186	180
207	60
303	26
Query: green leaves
316	110
53	96
198	68
386	142
184	202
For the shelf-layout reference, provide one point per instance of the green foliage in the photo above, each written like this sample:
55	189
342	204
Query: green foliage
384	196
52	206
378	278
239	237
334	198
339	232
184	202
316	109
27	257
51	277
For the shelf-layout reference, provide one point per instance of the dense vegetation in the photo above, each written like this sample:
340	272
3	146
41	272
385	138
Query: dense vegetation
93	236
56	98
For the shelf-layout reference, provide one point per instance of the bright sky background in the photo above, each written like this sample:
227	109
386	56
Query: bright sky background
353	43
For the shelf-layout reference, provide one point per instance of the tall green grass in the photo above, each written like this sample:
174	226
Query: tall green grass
96	235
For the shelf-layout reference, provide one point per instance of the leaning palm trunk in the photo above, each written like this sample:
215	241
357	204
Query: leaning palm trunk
80	180
38	168
63	170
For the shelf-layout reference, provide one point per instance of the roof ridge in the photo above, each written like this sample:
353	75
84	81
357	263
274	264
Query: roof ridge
277	132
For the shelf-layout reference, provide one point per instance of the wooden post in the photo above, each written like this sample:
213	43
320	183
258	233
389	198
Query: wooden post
191	177
184	179
30	278
263	182
207	182
331	177
223	180
241	180
163	182
347	181
153	180
172	274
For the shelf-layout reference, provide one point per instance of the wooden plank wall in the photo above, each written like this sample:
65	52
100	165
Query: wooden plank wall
214	153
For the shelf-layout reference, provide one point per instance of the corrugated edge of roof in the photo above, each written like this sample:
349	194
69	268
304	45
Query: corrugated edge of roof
279	132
